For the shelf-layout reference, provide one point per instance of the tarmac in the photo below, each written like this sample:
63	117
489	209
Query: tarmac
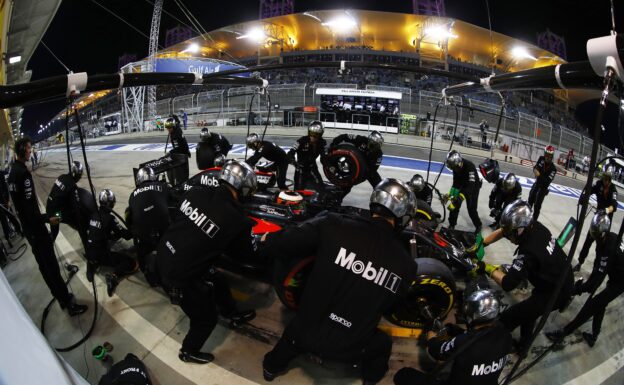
141	320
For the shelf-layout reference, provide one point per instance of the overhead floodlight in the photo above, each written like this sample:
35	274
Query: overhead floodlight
439	32
255	34
522	53
192	48
341	23
15	59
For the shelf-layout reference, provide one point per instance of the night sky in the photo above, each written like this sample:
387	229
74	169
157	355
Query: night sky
87	38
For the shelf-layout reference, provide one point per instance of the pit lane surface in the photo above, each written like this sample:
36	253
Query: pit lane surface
141	320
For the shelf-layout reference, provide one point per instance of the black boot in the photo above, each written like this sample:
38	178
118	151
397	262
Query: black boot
269	376
73	309
195	357
590	339
240	317
111	284
555	336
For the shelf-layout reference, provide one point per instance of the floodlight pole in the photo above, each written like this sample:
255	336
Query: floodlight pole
151	61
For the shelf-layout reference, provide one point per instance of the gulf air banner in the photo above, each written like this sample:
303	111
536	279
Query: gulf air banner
196	66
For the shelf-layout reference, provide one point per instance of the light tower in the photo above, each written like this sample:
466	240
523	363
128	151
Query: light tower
552	42
429	7
151	61
272	8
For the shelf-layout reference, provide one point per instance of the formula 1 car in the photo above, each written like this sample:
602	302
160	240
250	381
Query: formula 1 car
437	251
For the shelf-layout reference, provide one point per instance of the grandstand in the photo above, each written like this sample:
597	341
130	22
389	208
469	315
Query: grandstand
533	118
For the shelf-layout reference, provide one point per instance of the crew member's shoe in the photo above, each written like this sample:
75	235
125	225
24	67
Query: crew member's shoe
195	357
241	317
451	227
73	309
590	339
269	376
555	336
111	284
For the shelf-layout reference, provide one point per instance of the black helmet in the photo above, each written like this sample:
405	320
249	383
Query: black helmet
481	306
417	183
600	225
316	129
145	174
509	182
240	176
394	196
253	141
107	198
515	218
375	140
76	170
204	134
454	160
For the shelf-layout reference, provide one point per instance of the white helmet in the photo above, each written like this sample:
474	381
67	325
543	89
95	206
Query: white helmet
515	218
240	176
145	174
481	306
107	198
454	160
509	183
76	170
600	225
253	141
375	139
394	196
417	183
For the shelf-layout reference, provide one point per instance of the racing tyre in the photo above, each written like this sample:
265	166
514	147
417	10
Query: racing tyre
345	166
290	278
431	296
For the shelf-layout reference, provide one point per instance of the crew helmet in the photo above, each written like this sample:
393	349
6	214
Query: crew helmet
375	140
204	134
600	225
454	160
316	129
107	198
219	160
394	196
515	218
253	141
417	183
509	183
549	152
145	174
608	171
240	176
170	123
76	170
481	306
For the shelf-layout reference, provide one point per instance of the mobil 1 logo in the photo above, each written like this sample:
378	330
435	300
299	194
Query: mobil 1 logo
379	276
200	219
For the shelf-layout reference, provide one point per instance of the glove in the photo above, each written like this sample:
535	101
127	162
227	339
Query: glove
453	329
577	268
494	213
486	268
578	287
478	249
609	210
445	198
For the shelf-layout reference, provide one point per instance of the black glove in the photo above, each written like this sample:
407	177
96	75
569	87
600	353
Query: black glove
577	267
578	287
453	330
